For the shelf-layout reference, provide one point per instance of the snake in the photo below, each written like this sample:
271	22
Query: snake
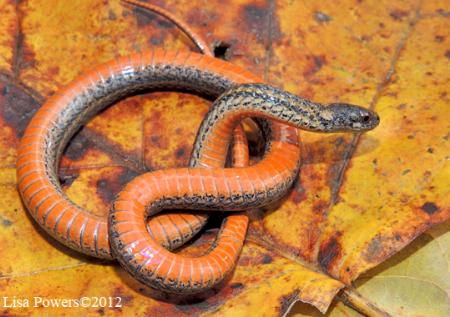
205	185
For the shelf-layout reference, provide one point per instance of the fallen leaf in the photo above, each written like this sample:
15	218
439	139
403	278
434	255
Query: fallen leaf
358	201
414	282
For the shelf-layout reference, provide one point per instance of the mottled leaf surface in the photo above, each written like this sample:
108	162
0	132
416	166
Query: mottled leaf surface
359	200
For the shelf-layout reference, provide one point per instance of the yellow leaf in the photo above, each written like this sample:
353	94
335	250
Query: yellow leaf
358	201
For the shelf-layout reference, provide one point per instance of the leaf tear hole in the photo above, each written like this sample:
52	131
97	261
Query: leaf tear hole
221	50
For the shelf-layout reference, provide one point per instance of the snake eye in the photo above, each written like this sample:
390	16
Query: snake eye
366	118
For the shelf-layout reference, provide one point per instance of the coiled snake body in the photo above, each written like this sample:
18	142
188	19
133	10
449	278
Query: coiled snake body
57	120
204	188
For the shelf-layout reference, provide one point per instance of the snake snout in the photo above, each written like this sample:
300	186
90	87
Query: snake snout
350	118
370	119
364	120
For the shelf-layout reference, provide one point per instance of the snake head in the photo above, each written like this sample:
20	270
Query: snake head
348	118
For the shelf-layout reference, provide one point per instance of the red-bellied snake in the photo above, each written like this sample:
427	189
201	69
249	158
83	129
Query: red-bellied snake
211	188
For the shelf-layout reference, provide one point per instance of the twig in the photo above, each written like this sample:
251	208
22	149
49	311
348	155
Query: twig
354	299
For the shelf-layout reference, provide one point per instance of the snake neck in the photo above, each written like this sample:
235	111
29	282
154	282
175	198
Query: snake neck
286	110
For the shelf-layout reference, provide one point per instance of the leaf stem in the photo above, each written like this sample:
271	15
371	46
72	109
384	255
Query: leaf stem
354	299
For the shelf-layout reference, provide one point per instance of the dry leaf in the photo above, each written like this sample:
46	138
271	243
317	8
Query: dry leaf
414	282
358	201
